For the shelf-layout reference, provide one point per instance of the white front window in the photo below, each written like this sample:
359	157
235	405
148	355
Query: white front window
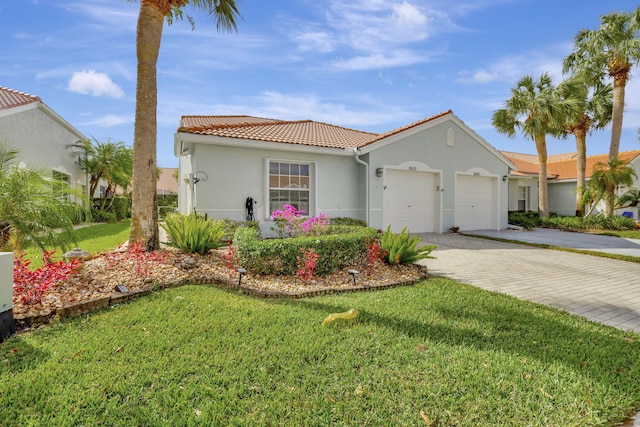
289	184
523	198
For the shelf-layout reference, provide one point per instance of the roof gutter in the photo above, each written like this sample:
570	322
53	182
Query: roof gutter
356	157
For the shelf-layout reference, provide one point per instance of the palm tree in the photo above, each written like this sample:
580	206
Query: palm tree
539	109
606	178
31	209
629	199
612	49
151	18
111	162
596	114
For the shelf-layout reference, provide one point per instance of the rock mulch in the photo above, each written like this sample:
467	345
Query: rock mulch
94	287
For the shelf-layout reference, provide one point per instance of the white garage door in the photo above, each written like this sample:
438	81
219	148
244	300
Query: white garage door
475	202
409	201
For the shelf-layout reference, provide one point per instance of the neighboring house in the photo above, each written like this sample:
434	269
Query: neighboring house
41	136
429	176
562	179
167	183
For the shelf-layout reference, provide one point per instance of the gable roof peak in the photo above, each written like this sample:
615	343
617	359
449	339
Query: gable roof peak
10	98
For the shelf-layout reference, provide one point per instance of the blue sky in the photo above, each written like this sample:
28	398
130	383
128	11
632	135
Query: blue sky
371	65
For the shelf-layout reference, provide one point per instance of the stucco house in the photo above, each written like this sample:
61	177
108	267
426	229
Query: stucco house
429	176
562	180
41	136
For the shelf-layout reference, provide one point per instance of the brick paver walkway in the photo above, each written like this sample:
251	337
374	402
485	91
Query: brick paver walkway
600	289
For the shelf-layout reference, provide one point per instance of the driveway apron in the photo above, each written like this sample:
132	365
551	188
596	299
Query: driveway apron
600	289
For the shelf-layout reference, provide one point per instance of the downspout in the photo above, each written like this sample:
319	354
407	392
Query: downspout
356	156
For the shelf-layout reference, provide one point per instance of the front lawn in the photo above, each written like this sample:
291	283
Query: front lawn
629	234
439	352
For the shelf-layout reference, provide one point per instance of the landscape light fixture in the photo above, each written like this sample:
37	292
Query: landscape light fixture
353	274
121	288
241	272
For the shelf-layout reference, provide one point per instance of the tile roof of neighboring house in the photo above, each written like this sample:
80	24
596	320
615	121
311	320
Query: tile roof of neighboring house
567	169
302	132
561	166
10	98
167	184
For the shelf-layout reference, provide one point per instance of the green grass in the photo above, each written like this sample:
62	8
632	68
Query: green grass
93	238
205	356
629	234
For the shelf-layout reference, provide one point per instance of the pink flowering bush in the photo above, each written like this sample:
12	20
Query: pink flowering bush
290	222
31	285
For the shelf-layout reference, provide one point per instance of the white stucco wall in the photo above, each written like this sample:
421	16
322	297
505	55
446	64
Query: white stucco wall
41	139
562	197
447	149
531	186
235	173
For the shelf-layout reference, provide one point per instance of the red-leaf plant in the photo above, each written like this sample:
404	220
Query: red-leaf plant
375	255
31	285
231	258
306	264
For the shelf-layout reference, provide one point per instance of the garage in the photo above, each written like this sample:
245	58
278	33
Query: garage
410	200
475	202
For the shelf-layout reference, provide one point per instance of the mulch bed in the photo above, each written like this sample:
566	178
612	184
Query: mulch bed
94	287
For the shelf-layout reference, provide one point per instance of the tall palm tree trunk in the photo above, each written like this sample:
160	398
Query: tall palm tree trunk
619	83
543	198
581	148
144	212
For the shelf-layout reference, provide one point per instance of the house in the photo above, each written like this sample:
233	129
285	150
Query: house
429	176
167	183
41	136
562	179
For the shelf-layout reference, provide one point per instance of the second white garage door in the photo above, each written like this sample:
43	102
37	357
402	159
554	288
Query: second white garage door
409	201
475	202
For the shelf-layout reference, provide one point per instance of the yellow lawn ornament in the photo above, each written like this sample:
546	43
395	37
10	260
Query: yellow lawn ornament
350	314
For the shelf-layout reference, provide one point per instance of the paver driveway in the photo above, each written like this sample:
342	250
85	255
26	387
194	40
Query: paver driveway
603	290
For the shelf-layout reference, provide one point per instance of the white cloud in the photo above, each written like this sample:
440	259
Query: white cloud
109	120
380	60
94	83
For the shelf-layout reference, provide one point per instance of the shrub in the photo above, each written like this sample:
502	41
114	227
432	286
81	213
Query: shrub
306	264
230	226
526	220
402	248
348	221
289	222
572	223
344	247
193	233
104	216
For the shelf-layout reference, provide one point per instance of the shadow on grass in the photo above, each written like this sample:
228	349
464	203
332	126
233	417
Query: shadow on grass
16	356
495	322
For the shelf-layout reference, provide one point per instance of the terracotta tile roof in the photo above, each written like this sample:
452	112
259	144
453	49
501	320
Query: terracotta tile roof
304	132
567	169
10	98
561	166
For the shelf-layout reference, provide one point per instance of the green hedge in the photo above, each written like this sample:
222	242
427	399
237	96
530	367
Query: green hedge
573	223
346	246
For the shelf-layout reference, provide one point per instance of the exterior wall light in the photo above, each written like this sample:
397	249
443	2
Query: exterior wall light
504	178
379	172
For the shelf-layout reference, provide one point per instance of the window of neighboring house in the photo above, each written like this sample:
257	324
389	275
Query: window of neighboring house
63	181
103	191
523	198
289	184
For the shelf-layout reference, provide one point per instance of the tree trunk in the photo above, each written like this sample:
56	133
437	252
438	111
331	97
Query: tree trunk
543	199
619	83
581	148
144	212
